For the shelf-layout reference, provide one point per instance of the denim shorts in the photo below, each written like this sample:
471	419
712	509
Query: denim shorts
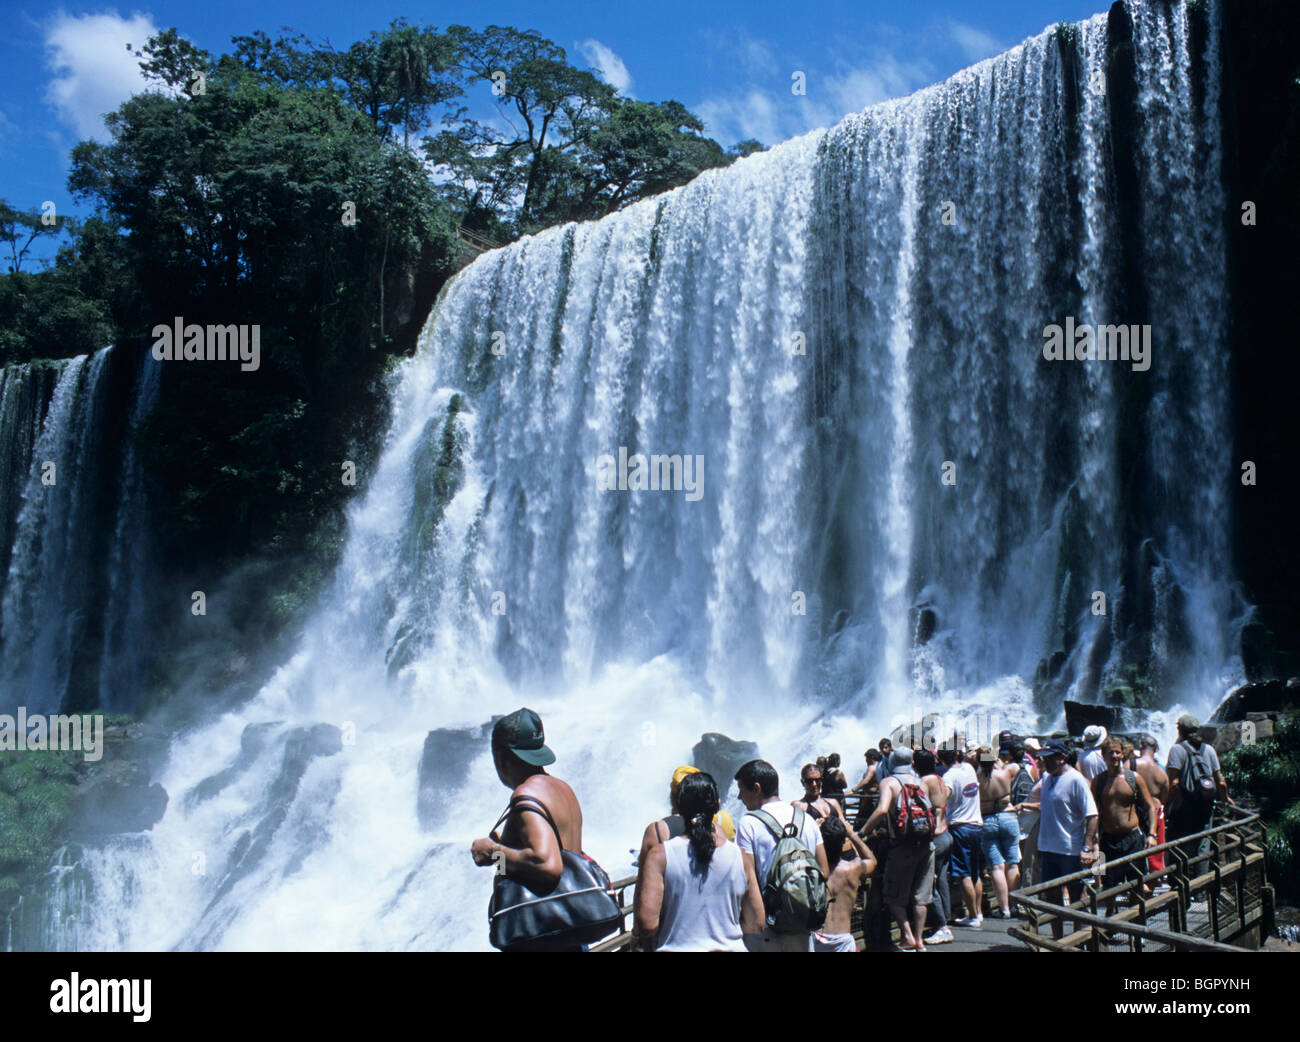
965	863
1000	839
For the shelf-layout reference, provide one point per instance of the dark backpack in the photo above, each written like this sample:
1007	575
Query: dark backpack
1021	786
1198	778
794	893
913	821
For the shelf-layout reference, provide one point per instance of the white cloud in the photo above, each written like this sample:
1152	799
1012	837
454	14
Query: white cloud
93	70
754	114
974	44
852	89
772	117
755	56
608	65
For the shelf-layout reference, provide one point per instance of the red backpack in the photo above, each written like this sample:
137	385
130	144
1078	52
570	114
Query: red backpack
913	822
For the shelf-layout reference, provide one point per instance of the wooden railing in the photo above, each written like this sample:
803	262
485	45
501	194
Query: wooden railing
1210	901
471	244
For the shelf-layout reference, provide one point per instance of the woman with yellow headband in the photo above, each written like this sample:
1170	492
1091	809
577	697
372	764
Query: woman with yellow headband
674	825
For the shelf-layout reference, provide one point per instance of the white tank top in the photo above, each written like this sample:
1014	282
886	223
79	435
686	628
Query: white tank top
701	906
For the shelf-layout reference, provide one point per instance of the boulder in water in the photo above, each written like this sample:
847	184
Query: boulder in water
1079	716
111	806
722	757
1269	696
117	794
251	744
922	734
302	745
448	752
926	624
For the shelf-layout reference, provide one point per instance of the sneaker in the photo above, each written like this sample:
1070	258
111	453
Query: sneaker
941	936
1004	914
970	922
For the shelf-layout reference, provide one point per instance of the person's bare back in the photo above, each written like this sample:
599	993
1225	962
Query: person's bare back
842	894
995	788
556	796
1154	775
937	793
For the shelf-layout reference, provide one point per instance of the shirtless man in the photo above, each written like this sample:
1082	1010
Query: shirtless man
1123	807
527	848
814	804
1158	785
849	870
1000	836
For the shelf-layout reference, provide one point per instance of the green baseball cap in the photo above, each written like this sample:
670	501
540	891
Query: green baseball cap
521	732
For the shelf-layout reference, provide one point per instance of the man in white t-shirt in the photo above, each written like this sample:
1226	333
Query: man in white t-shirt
1092	761
966	823
759	789
1067	825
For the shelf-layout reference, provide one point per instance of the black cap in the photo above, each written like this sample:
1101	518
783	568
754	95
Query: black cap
521	732
1055	747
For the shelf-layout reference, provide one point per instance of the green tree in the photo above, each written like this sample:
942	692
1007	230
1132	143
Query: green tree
255	202
19	229
574	149
57	312
395	77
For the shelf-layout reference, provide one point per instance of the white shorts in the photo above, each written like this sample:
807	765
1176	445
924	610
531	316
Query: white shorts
834	942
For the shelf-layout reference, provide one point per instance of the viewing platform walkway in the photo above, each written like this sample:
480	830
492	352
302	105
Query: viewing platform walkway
1220	902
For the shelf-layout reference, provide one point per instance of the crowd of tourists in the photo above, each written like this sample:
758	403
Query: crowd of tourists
930	825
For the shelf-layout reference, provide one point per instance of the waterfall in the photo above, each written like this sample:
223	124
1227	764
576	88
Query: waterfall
74	535
25	392
127	614
43	611
845	333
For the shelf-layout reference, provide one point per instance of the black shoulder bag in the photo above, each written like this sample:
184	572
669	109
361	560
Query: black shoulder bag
580	910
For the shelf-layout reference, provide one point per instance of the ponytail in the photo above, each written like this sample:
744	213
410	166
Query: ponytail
698	800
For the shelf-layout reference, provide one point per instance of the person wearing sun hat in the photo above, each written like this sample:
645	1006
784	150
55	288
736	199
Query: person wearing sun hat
1093	762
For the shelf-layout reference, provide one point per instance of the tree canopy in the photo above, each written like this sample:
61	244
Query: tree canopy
315	192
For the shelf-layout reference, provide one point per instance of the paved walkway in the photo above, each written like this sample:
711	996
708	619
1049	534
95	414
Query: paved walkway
991	937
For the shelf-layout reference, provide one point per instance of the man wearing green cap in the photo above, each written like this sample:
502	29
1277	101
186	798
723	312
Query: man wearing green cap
1195	782
527	847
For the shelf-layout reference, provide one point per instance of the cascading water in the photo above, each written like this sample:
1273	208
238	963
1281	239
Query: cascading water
53	547
847	331
74	590
25	392
131	571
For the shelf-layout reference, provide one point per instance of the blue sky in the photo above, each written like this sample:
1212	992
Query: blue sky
731	62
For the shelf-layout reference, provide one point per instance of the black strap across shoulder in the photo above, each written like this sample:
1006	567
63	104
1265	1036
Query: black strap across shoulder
524	803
